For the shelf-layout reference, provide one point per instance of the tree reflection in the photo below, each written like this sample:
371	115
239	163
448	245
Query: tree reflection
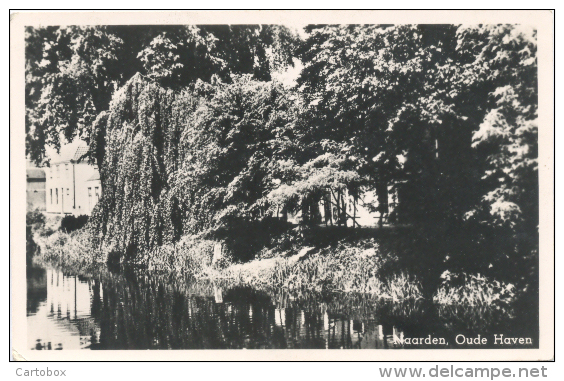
142	311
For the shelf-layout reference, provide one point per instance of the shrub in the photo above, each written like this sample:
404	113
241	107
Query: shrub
245	239
31	247
71	223
70	250
35	218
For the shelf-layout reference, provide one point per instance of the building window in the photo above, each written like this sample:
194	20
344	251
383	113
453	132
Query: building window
67	171
51	193
57	195
96	194
89	198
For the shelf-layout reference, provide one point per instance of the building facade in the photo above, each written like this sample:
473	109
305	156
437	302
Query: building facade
35	189
72	184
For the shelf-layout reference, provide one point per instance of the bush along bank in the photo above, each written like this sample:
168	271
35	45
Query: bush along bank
346	265
73	251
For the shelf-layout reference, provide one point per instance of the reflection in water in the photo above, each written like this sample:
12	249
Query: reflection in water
59	310
113	311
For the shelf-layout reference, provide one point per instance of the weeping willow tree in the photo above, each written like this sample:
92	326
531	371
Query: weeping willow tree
142	135
185	162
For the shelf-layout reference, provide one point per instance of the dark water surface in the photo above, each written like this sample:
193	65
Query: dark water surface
140	311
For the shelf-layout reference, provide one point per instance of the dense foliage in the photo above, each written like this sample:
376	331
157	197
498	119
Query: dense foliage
203	139
73	72
440	106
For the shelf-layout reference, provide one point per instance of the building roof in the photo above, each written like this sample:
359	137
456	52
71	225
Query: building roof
74	151
95	176
35	173
80	153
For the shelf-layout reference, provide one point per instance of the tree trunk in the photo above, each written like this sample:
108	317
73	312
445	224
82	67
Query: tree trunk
354	212
343	209
382	195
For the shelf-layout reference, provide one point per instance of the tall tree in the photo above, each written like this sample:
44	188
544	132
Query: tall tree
447	112
382	93
450	110
502	61
185	162
72	72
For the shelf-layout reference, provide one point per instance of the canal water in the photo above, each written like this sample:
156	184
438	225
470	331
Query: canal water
131	310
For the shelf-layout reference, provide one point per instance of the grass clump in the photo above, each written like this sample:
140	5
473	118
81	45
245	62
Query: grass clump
472	290
191	255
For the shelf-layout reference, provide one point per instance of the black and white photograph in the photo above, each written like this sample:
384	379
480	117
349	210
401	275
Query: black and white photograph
303	184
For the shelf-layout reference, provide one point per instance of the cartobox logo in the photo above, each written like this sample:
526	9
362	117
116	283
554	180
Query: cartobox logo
40	372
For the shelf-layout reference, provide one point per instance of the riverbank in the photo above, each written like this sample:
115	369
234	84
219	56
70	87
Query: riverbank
345	265
360	282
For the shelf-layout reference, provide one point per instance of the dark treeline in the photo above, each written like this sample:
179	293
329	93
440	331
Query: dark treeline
193	132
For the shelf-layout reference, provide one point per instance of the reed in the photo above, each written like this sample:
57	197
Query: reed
347	267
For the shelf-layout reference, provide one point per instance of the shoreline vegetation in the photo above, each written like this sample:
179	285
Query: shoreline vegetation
347	265
208	158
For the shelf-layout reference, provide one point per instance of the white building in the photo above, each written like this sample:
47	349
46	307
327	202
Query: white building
72	184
